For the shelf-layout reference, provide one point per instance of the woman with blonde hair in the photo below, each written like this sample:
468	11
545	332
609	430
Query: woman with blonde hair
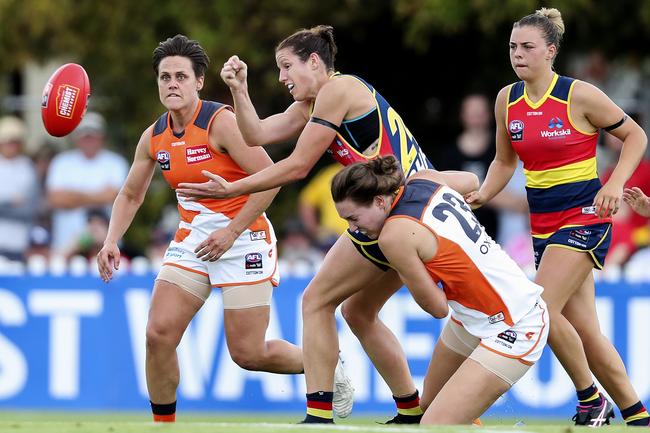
551	122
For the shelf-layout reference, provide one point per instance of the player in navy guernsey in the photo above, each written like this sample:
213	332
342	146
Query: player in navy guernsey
551	123
345	116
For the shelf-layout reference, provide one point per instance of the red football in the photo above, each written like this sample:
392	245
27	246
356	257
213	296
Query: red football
65	97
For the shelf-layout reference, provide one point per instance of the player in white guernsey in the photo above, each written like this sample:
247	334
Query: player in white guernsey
498	325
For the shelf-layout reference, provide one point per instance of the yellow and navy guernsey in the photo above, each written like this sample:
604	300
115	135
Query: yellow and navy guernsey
382	126
385	129
559	159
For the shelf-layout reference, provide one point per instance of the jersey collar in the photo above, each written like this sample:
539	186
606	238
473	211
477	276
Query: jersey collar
543	99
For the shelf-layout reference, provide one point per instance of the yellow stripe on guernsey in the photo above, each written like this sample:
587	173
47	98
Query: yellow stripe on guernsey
321	413
570	173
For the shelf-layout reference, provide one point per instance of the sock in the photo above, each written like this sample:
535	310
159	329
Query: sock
590	396
409	405
636	415
163	412
319	407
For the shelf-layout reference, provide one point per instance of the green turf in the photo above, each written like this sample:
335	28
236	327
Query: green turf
68	422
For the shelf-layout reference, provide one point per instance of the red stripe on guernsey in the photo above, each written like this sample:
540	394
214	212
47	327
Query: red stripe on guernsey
548	139
322	405
455	268
550	222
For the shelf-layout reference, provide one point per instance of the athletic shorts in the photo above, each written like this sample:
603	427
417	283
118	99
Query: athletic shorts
369	249
525	341
592	239
252	258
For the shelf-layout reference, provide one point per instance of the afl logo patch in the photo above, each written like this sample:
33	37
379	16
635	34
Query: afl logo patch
163	159
516	129
253	261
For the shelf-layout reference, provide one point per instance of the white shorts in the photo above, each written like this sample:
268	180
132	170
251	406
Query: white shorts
510	354
525	341
252	258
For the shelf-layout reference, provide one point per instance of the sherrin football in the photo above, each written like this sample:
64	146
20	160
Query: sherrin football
65	98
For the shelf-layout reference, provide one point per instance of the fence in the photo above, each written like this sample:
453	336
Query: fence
73	343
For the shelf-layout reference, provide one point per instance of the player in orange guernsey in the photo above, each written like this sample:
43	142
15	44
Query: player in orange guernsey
551	123
499	324
227	244
345	116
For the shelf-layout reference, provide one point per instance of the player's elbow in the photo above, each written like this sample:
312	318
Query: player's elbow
441	311
253	141
298	170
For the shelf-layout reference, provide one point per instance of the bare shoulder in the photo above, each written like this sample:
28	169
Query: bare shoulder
502	96
396	231
299	109
585	92
337	87
143	149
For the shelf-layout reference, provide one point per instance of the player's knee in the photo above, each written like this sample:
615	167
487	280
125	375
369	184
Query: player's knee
246	358
160	336
313	302
358	319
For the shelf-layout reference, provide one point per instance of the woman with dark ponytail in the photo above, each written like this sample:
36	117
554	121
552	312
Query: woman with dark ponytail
551	123
345	116
446	259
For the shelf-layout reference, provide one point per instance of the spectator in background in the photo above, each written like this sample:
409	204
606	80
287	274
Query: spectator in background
91	239
505	218
298	256
42	158
318	214
19	192
474	150
82	179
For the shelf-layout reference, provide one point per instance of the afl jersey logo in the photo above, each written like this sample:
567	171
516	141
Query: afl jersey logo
253	261
516	129
163	159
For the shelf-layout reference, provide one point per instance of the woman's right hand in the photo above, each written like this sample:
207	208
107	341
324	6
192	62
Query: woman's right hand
475	199
108	259
234	73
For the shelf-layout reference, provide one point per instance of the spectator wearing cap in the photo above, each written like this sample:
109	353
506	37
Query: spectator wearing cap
19	192
81	179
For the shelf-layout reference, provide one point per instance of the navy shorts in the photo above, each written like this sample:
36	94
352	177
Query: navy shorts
593	239
369	248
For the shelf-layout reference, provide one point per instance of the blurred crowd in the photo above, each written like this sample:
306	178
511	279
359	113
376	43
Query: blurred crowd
55	204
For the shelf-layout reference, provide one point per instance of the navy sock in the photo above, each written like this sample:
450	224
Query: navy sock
636	415
590	396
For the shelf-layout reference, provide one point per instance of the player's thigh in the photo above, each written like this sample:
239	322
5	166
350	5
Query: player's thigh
246	314
469	392
561	273
451	350
344	272
368	301
171	310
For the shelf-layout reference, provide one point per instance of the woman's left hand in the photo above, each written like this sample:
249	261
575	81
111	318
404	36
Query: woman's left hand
216	187
608	200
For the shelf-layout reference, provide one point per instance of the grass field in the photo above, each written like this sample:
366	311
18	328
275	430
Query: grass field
68	422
